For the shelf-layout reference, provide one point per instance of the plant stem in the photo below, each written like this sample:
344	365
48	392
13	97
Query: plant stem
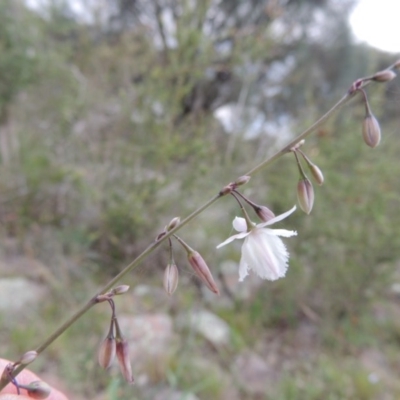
71	320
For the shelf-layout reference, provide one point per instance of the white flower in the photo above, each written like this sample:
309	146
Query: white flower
262	251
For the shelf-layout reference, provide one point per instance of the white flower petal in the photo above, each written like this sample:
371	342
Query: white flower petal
277	219
240	224
282	232
265	254
262	251
243	269
232	238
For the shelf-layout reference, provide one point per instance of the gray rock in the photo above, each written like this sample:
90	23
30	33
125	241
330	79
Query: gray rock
208	325
20	296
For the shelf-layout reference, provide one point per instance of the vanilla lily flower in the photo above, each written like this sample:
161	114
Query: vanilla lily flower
262	251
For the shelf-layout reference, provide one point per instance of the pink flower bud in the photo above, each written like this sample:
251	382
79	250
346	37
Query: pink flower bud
371	131
107	351
305	195
171	278
226	190
317	174
397	65
28	357
264	213
202	271
124	360
37	390
384	76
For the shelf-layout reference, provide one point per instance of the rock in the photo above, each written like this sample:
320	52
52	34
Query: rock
20	296
209	325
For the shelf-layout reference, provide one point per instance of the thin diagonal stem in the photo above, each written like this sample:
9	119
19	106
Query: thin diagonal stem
86	307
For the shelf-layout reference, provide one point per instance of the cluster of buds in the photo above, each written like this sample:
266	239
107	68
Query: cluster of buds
305	190
381	76
35	389
371	130
115	343
196	261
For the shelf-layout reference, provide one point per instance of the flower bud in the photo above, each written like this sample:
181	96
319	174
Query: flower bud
171	278
173	223
28	357
38	390
397	65
356	85
107	351
264	213
384	76
371	131
226	190
242	180
124	360
202	271
317	174
305	195
121	289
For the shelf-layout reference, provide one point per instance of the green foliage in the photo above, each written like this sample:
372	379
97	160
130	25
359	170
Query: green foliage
329	379
115	136
18	59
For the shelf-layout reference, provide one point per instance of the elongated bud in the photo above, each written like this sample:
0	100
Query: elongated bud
384	76
121	289
171	278
173	223
107	352
305	195
315	171
124	360
37	390
28	357
202	271
317	174
371	131
264	213
397	65
242	180
107	348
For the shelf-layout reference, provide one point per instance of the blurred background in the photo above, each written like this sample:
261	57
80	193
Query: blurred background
118	115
